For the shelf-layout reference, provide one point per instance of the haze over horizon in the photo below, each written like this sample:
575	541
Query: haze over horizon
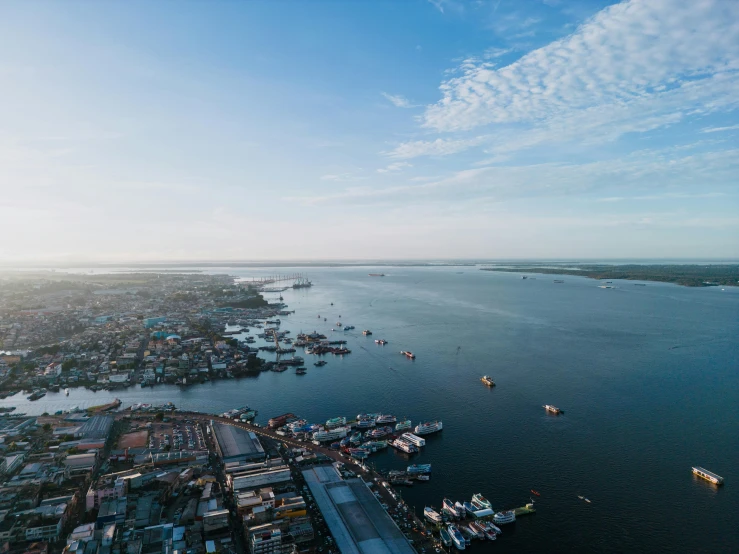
443	129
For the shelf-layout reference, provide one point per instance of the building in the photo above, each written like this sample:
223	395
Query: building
265	539
240	482
112	510
215	522
97	427
80	464
237	445
358	523
150	322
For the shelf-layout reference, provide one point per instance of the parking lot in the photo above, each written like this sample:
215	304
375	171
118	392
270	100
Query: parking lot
177	435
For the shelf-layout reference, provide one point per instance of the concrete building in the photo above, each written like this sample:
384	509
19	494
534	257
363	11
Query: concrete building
265	539
215	522
261	479
357	521
237	445
150	322
80	464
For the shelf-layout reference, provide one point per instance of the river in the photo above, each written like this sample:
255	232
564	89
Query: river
647	377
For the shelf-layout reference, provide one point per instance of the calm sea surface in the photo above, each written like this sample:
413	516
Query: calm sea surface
647	376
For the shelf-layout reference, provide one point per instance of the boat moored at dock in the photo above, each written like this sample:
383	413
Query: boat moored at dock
432	515
385	418
419	468
428	427
708	475
413	439
446	538
404	425
457	537
406	447
480	502
336	422
502	518
448	507
331	434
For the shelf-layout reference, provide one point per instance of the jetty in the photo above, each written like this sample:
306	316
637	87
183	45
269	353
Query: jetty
525	510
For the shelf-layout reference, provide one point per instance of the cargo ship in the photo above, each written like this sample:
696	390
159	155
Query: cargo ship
708	475
428	427
552	409
488	380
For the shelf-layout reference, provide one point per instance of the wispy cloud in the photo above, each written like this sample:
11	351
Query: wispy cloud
394	167
719	129
438	147
398	100
664	196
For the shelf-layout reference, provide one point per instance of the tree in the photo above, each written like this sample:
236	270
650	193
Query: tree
167	448
47	427
159	416
67	438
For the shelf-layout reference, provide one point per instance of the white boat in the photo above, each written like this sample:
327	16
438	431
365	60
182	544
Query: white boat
492	527
480	502
331	434
413	439
336	422
66	391
404	446
501	518
448	507
432	515
457	537
385	418
428	427
708	475
552	409
460	509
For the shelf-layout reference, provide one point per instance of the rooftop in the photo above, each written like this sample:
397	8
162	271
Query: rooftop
356	519
236	443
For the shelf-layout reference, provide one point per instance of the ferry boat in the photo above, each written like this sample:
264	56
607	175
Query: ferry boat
406	447
356	438
457	537
448	507
408	354
366	332
336	422
419	468
345	442
501	518
385	418
413	439
552	409
374	446
379	432
365	423
428	427
403	425
488	380
480	502
332	434
359	453
382	342
460	508
367	416
446	538
708	475
432	515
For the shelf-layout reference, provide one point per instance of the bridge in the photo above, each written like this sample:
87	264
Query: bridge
273	279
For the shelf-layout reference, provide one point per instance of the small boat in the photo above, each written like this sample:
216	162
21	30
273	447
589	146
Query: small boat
300	371
366	332
486	379
552	409
66	391
460	508
320	363
480	502
457	537
381	342
445	537
535	492
585	499
408	354
448	507
469	508
432	515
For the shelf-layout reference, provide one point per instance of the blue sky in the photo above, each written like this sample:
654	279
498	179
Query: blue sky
390	129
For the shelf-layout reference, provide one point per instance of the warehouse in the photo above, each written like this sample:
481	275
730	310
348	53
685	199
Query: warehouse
236	445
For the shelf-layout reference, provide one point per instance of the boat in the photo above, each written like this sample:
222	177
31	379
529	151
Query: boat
558	281
524	277
374	446
501	518
345	442
480	502
385	418
448	507
66	391
477	529
331	434
336	422
406	447
35	395
467	532
457	537
460	508
419	468
356	438
376	274
366	332
432	515
469	508
423	477
535	492
320	363
348	327
403	425
428	427
300	371
413	439
338	323
379	432
446	538
381	342
365	423
708	475
552	409
359	453
492	527
488	380
408	354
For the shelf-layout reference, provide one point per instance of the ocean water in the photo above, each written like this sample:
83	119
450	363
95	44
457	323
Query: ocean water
648	378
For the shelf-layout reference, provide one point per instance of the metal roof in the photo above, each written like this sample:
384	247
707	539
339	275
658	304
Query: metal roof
237	443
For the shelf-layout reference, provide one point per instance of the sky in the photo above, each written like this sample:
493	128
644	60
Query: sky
405	129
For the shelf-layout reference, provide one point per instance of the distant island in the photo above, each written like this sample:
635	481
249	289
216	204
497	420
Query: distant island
686	275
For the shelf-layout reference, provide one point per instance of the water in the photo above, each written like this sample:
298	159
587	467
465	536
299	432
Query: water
647	377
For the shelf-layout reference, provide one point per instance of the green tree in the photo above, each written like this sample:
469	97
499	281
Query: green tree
159	416
47	427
